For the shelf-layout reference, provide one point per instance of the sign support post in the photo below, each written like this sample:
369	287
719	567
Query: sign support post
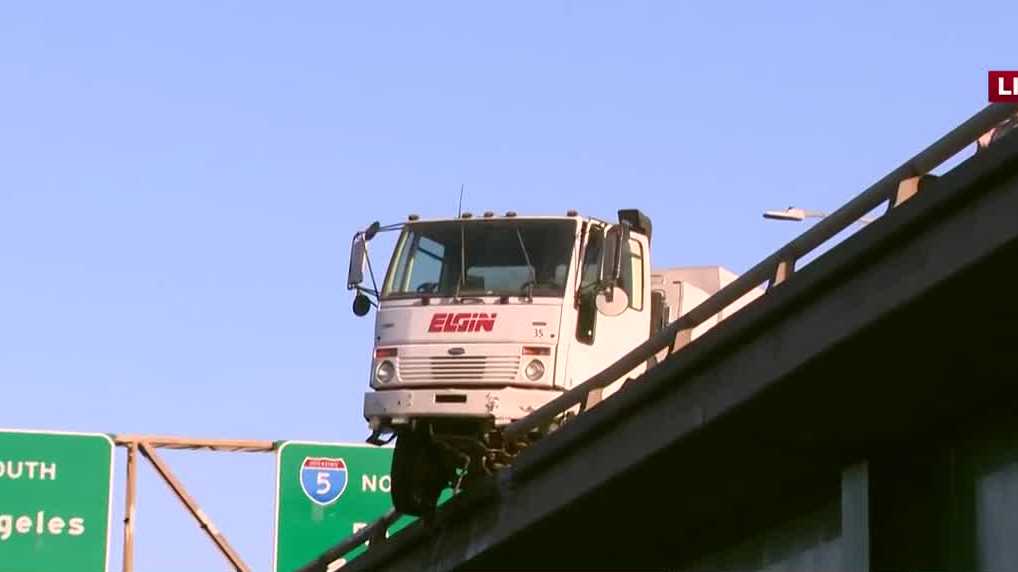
129	494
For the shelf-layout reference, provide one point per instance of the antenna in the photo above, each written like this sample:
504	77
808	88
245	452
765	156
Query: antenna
459	210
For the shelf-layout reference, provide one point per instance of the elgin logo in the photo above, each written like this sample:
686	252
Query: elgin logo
465	322
1004	86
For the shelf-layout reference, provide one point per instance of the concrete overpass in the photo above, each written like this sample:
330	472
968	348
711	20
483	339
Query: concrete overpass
860	416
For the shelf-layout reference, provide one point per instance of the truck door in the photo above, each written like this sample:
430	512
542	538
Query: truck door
601	339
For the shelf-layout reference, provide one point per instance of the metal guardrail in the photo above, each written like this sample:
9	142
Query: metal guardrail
374	532
895	188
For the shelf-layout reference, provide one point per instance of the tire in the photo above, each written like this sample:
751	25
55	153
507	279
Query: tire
419	473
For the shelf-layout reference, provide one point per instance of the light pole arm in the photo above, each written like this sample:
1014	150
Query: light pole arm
797	214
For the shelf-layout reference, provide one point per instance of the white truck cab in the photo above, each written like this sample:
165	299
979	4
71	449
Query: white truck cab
481	321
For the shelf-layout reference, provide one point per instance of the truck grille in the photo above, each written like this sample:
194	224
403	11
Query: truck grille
458	368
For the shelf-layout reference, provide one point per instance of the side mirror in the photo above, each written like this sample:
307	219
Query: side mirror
361	305
358	250
372	230
611	267
611	301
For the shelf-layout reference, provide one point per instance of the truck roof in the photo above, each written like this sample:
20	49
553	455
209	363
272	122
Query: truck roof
489	215
638	221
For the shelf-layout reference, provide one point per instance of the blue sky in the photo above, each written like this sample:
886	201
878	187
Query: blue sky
179	183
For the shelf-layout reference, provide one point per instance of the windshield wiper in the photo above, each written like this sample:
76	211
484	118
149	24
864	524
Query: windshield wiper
533	273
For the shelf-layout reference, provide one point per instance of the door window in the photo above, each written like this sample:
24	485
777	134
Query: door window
591	271
590	274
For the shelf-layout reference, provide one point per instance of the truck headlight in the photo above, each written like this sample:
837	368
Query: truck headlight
534	370
385	372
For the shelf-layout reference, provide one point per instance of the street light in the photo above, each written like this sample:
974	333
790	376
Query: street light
797	214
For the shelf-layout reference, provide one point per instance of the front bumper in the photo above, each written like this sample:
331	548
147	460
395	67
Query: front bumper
389	407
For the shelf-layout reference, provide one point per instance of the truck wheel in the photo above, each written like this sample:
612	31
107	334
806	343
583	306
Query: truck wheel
419	473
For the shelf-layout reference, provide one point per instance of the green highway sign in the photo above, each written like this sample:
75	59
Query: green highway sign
324	493
55	498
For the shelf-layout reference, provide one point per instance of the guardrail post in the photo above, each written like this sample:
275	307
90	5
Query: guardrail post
378	535
682	339
593	398
908	188
782	272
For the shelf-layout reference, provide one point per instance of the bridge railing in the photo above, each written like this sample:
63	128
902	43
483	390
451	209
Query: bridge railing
373	533
894	189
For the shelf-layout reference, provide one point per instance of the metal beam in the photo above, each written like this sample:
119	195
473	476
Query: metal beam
206	524
171	442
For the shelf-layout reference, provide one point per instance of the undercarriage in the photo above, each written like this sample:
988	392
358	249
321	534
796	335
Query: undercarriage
434	454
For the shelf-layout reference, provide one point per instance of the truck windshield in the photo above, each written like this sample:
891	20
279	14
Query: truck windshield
504	257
